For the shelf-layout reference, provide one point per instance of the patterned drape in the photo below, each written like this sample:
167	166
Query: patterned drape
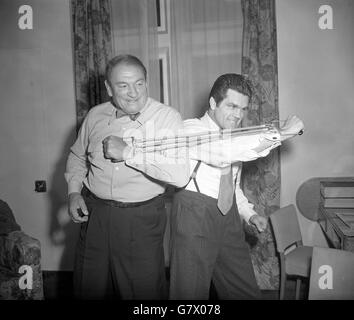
92	46
261	178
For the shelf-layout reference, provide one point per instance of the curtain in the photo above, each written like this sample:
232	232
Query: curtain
134	25
261	178
206	41
92	49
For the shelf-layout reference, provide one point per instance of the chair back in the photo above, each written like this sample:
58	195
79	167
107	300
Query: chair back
332	274
286	227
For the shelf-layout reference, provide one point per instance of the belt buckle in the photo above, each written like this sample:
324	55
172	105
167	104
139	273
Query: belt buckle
124	205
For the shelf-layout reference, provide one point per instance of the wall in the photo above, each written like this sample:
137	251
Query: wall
316	77
37	123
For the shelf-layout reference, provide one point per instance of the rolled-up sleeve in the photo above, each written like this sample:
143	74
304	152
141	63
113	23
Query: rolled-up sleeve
225	151
245	208
76	165
162	167
250	147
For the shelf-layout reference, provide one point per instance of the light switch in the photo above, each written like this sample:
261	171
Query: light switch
40	186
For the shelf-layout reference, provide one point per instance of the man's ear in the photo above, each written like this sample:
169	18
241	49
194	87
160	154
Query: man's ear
212	103
108	87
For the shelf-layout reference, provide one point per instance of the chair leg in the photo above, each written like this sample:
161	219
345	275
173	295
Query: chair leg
298	287
282	284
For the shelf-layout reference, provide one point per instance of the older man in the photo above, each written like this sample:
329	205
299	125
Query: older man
120	204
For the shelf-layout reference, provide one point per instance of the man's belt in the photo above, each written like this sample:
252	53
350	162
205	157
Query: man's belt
86	192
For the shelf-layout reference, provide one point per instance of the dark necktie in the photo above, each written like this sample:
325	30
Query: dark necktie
226	190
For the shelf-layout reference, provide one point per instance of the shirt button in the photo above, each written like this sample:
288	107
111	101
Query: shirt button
117	168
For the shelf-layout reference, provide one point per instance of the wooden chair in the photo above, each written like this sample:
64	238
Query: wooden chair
295	258
332	275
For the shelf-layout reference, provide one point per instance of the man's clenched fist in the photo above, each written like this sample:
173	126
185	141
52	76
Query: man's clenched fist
115	149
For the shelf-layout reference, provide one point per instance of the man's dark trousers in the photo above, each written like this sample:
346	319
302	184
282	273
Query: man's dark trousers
120	251
208	246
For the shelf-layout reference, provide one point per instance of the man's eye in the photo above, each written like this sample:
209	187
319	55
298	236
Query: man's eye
122	86
140	83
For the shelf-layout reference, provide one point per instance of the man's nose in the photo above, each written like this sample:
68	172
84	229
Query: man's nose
237	112
132	92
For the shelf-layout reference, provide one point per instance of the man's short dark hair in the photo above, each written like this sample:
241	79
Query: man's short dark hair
126	59
232	81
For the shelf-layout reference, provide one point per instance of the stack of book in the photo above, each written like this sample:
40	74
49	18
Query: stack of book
337	194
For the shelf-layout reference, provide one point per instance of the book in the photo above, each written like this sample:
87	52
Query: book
337	189
337	202
347	218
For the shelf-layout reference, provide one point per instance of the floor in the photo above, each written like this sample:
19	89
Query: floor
58	286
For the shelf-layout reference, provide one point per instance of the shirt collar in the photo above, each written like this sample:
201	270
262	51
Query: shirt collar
112	116
209	122
144	112
140	119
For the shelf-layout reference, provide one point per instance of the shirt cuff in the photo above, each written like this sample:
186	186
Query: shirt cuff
272	135
74	187
247	213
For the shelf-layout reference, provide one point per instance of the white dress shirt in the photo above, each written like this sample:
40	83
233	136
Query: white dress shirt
208	175
129	181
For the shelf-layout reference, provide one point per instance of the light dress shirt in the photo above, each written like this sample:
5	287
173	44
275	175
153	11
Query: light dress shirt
237	149
135	179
